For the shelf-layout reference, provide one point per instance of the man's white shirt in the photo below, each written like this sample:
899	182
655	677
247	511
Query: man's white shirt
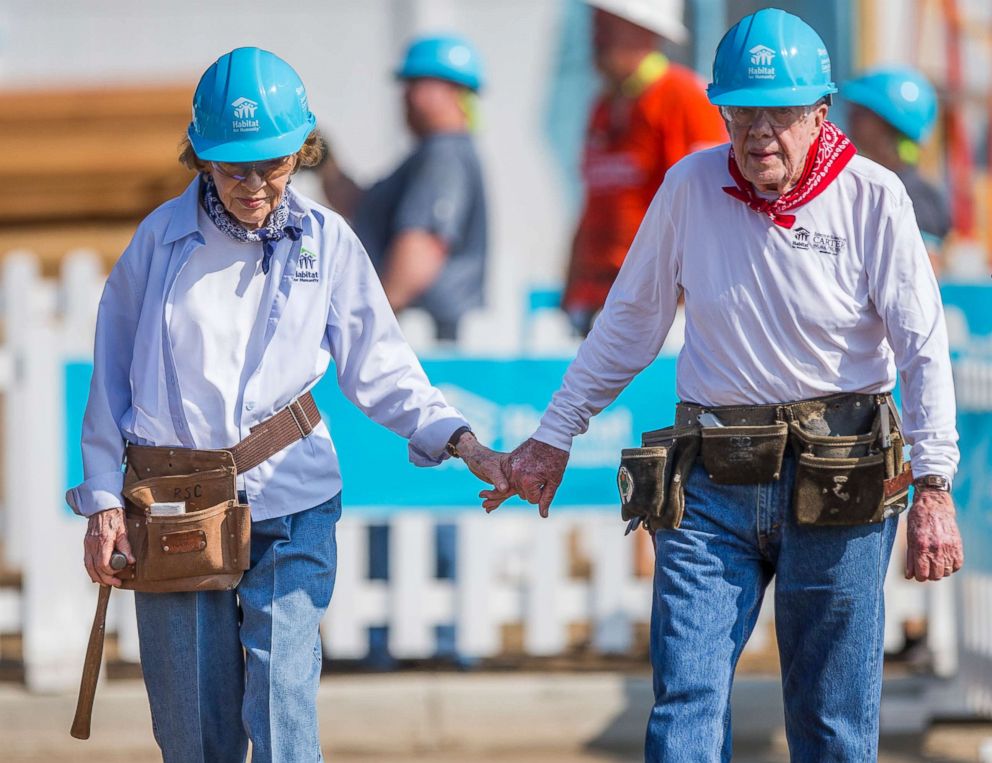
837	303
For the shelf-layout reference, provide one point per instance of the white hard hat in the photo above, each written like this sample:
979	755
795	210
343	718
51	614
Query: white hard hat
661	16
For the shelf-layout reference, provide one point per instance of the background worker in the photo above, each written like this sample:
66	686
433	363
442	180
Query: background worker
650	114
806	287
424	225
893	111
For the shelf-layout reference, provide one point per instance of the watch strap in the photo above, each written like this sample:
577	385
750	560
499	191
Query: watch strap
452	446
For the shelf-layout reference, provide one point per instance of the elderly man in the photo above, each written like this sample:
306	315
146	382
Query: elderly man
806	287
649	115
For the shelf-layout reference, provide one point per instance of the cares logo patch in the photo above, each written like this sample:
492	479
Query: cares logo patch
825	243
244	115
762	63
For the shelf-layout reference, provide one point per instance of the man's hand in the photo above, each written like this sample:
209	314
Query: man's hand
934	548
536	471
488	465
105	532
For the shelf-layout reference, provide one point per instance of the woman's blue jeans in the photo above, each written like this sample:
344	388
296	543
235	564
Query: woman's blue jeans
223	667
710	576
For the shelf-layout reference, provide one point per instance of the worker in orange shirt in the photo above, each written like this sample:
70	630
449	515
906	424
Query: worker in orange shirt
651	113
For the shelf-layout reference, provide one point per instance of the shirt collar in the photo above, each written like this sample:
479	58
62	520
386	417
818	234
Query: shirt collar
184	221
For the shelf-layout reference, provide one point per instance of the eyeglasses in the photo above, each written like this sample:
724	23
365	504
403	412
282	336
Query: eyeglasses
778	116
267	170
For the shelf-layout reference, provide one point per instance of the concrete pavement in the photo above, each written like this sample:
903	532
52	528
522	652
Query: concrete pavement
423	717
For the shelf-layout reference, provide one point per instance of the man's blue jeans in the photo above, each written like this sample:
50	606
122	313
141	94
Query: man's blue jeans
221	667
710	576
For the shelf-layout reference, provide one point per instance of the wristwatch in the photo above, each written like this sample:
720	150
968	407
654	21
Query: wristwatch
932	482
452	446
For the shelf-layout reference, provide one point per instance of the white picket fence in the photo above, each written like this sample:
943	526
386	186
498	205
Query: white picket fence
512	568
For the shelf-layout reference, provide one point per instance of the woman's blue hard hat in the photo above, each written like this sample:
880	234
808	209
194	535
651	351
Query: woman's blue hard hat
249	106
770	58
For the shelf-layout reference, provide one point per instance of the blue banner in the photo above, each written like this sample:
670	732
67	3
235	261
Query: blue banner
504	400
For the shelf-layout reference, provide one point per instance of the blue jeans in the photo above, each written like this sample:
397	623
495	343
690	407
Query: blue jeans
223	667
710	576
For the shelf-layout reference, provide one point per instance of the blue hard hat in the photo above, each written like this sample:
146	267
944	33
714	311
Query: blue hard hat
250	106
446	57
770	58
900	95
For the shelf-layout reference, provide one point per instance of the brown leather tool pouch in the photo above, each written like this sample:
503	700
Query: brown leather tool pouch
643	480
664	460
847	478
744	455
206	547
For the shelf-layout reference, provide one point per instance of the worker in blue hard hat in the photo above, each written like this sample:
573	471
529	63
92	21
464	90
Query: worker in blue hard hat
892	111
424	225
219	318
807	289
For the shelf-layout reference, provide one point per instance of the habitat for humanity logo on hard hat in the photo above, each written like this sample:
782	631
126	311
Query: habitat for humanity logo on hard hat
761	63
244	115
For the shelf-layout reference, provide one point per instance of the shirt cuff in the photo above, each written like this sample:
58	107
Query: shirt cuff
427	446
929	463
551	437
98	493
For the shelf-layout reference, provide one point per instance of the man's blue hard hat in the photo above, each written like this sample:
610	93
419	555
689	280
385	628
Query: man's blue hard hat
446	57
901	96
250	106
770	58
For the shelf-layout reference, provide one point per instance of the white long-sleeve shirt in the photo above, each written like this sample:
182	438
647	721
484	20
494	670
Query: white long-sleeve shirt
320	300
837	303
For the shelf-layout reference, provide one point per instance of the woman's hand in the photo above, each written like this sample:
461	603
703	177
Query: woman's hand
488	465
104	533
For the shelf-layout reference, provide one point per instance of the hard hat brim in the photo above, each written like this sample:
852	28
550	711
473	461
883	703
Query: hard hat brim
414	72
251	150
663	24
783	96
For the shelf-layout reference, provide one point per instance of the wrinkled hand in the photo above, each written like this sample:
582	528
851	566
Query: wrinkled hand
488	465
536	470
934	548
104	533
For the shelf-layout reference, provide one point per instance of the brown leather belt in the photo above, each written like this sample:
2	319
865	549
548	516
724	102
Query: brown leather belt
292	423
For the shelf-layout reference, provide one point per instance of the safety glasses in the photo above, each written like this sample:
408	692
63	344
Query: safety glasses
270	169
778	116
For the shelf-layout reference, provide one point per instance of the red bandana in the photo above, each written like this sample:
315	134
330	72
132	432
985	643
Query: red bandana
828	155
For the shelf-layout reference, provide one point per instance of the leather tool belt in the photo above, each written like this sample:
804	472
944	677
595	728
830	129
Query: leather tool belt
848	450
186	527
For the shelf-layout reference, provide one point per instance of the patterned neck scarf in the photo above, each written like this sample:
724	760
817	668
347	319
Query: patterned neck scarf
276	228
828	155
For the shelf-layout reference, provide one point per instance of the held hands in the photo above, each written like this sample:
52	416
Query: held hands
535	471
104	533
934	548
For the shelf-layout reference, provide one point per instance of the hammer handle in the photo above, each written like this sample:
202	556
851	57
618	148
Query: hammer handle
91	668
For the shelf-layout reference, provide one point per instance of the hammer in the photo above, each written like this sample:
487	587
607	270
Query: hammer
94	656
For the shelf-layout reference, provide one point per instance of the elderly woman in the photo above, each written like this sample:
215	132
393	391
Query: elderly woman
806	287
217	320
